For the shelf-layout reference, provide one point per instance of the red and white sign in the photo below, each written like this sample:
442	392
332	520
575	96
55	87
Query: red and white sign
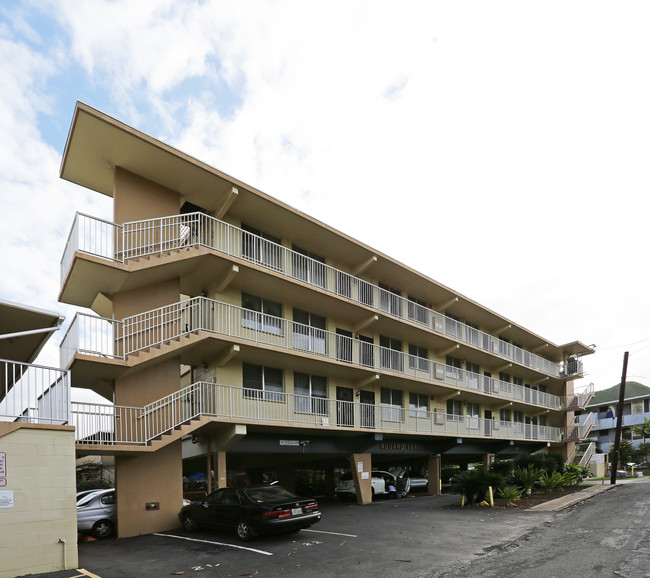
3	464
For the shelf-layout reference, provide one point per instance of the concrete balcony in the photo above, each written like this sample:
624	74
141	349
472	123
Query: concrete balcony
100	256
128	427
115	346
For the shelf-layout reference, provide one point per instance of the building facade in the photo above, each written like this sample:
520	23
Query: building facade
275	343
38	515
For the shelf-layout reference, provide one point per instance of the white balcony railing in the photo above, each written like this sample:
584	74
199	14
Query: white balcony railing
581	427
100	337
110	425
34	393
155	236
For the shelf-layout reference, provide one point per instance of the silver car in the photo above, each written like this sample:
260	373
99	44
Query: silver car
97	513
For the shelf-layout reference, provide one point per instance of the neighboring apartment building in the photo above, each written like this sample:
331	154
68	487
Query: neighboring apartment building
635	410
276	342
38	515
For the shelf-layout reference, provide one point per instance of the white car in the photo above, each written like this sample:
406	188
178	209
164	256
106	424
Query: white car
379	483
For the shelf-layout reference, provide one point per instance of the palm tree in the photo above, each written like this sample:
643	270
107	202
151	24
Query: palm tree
642	429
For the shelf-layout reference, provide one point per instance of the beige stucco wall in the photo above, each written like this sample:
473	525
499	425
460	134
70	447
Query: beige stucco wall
40	473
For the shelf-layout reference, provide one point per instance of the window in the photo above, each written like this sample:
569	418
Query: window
636	407
454	410
308	266
391	353
504	415
453	367
366	351
310	393
518	418
309	332
262	382
344	345
418	311
472	415
418	358
390	300
261	247
391	402
343	284
261	314
473	377
418	405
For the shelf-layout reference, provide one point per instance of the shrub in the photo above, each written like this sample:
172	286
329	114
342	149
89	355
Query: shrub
510	495
503	467
93	485
543	461
552	481
527	477
474	484
448	472
575	473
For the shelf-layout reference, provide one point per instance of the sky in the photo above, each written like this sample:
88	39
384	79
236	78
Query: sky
501	148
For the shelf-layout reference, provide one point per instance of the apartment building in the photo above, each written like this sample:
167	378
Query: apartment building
276	343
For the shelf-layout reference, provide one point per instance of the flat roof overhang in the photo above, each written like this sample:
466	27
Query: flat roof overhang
97	143
20	319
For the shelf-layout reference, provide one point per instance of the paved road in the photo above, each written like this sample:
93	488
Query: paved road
606	536
417	537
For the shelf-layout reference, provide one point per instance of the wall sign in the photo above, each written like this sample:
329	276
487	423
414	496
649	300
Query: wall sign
6	498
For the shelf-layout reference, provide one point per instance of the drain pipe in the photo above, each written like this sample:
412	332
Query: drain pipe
65	553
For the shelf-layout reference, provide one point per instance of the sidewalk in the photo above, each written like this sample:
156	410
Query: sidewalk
577	497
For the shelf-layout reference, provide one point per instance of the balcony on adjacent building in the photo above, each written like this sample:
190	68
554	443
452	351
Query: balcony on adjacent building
141	239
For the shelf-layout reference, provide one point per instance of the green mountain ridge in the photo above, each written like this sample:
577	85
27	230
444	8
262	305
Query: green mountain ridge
632	389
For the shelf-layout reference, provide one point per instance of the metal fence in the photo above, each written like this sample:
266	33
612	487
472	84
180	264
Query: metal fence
34	393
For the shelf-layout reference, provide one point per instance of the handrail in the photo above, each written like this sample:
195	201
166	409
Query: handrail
152	328
154	236
111	425
34	393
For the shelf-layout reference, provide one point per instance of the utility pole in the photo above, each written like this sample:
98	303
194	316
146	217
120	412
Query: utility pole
619	420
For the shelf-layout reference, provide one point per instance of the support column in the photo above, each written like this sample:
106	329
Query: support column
434	466
487	460
361	469
220	470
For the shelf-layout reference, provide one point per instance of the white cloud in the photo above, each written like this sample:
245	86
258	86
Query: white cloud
498	147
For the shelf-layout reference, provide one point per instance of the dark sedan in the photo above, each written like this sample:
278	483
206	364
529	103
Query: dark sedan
251	510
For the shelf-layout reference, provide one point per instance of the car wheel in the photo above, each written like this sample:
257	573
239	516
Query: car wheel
102	529
189	523
244	531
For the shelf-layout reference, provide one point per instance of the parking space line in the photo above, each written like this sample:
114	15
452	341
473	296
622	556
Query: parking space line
216	543
333	533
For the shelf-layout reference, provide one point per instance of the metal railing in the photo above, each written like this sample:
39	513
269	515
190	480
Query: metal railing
154	236
34	393
119	339
581	427
580	400
111	425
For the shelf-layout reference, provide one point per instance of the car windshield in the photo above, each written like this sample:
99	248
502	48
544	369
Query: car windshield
269	494
85	499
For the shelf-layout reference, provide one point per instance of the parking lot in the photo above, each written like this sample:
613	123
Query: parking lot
415	536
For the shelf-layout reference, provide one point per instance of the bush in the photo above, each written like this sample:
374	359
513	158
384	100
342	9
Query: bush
543	461
552	481
575	473
510	495
448	472
474	484
503	467
527	477
93	485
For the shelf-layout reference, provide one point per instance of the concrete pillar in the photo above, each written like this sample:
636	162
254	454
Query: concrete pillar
220	470
151	478
434	467
487	460
361	468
